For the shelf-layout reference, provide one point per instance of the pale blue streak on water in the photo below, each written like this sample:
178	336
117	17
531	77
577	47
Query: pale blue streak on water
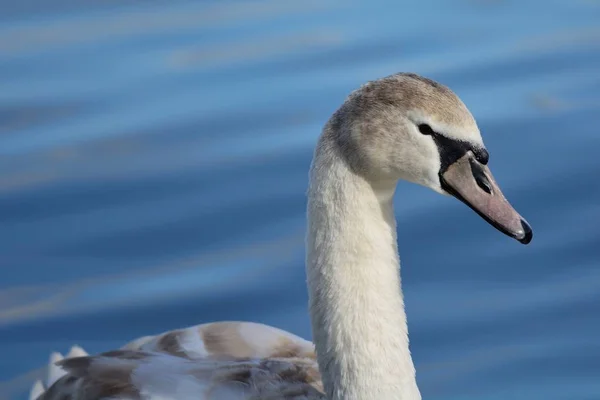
154	163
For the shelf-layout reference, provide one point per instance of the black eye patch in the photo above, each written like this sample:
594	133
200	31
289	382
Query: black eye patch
452	149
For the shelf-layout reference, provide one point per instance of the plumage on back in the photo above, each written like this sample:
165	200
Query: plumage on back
228	340
223	360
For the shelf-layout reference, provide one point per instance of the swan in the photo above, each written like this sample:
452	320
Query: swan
403	126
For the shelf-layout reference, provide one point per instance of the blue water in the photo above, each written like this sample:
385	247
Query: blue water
153	165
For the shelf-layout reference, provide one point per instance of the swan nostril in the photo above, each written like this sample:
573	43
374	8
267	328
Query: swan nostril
484	184
480	177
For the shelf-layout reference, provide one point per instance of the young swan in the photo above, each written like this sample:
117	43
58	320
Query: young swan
400	127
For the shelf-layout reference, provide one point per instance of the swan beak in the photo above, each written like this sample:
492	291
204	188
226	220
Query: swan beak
472	183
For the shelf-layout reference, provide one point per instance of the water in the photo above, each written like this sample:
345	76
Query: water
154	161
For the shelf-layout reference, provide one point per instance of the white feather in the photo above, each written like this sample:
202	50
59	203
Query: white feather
192	344
55	372
167	377
76	351
36	390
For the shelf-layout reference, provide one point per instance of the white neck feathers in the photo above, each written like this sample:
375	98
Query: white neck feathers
356	305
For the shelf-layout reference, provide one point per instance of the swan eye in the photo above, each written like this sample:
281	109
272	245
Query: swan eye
425	129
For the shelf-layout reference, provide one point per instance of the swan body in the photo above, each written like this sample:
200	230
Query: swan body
402	126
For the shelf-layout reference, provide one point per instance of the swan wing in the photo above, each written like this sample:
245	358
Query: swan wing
220	360
136	374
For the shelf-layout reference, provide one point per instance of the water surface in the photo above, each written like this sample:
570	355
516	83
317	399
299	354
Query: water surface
153	168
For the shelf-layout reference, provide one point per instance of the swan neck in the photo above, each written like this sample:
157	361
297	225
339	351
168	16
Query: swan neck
356	304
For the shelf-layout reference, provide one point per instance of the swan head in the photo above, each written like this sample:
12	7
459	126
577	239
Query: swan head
409	127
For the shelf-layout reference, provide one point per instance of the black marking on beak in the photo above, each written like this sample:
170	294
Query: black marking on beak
481	155
451	150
